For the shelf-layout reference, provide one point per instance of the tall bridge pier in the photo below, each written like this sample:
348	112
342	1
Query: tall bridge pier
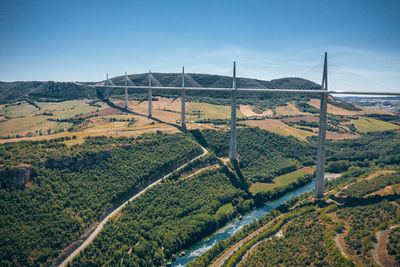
183	100
319	174
107	93
322	92
150	95
126	90
232	141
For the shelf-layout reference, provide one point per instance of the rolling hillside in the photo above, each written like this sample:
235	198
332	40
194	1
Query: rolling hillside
51	90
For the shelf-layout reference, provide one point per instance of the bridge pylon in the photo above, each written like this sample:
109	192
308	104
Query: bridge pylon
126	90
107	93
232	142
183	100
319	174
150	95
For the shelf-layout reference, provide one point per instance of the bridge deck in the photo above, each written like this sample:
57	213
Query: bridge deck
272	90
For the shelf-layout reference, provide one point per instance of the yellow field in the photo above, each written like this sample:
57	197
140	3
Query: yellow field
23	118
210	111
340	136
340	111
289	109
68	109
281	180
279	127
115	132
19	109
24	125
247	111
364	125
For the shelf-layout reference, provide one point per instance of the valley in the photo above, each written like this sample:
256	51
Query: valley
71	150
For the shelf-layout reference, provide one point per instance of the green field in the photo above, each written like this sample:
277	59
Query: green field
211	111
293	131
22	118
68	109
225	209
20	109
24	125
365	125
281	180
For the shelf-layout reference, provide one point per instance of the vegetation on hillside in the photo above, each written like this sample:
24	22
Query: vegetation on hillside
166	219
304	242
393	246
59	91
41	220
62	201
43	91
364	221
262	154
309	239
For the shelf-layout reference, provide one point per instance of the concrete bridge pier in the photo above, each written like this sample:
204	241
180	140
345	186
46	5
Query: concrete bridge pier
150	95
126	91
183	100
107	93
319	174
232	142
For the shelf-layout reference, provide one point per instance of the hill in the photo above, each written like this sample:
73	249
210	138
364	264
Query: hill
43	91
58	91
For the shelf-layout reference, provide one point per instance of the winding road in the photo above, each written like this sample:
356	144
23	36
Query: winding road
221	259
218	262
379	246
118	209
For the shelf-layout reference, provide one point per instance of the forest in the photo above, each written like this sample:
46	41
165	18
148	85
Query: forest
262	154
124	250
364	220
68	191
168	218
393	246
37	222
308	238
383	147
172	222
303	244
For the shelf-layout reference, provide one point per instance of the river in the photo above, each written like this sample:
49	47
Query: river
235	225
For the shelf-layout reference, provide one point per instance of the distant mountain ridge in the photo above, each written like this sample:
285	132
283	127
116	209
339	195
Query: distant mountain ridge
43	91
59	91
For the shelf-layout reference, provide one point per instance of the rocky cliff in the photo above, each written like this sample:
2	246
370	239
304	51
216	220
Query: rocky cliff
20	175
17	175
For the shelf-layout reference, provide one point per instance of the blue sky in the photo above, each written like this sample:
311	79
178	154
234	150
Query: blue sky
83	40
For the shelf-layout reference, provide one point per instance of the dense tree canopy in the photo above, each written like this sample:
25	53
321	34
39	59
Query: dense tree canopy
36	223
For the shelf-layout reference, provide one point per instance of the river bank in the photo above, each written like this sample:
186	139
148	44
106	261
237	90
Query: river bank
235	225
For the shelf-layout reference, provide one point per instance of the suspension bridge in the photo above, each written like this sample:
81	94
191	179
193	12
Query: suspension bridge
301	87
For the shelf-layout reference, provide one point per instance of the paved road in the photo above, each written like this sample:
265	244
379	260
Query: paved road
118	209
236	246
379	244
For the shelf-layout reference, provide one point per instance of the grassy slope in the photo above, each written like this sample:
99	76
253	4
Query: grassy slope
24	117
63	202
281	180
210	111
373	125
